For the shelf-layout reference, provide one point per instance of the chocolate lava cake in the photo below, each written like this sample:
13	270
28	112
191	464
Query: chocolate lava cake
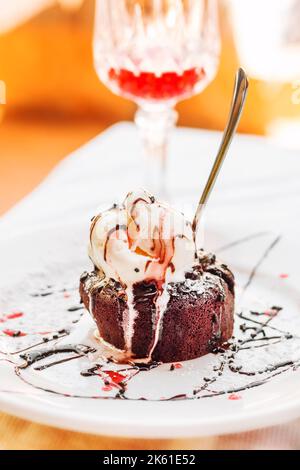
197	320
153	296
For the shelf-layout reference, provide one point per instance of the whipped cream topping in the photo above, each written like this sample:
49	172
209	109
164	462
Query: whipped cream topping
141	240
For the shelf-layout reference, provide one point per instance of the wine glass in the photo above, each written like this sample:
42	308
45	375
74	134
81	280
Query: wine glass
156	53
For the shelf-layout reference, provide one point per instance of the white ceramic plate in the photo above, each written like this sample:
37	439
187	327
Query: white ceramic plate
251	224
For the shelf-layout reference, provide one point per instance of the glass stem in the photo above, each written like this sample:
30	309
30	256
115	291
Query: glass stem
154	125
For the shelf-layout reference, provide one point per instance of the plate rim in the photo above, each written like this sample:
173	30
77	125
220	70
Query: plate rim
131	427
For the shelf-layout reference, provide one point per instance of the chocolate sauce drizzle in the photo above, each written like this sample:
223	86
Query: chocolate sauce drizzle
205	390
34	356
256	330
241	241
260	261
109	235
45	339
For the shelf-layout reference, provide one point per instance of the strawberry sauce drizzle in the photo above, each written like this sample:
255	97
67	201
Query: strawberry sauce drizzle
234	397
284	276
11	316
14	333
115	377
112	379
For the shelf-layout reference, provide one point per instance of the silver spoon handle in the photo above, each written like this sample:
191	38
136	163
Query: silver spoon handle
238	101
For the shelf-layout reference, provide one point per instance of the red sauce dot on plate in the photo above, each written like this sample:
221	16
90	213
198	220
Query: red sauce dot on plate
107	388
283	276
14	315
178	366
115	377
271	313
14	333
11	316
234	397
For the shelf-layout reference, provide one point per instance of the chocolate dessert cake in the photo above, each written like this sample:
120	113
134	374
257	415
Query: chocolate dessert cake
153	296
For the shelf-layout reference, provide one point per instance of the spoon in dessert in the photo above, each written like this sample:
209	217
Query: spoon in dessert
237	106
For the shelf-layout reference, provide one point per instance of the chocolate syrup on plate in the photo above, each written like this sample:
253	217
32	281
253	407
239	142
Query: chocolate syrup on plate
255	333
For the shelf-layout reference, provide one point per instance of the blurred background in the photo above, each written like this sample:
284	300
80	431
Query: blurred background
51	100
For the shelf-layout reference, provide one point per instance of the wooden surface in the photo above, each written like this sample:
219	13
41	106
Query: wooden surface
17	434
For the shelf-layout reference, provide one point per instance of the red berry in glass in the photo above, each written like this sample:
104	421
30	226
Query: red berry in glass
150	86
